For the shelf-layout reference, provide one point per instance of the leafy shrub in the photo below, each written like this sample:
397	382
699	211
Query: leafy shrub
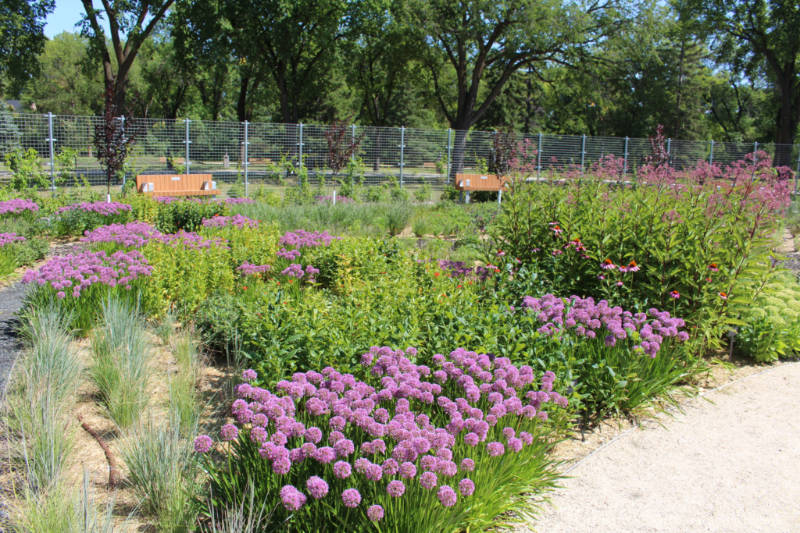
770	327
444	467
186	215
75	219
26	170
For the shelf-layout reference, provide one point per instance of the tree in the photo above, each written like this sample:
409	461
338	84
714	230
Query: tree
112	138
62	85
130	23
474	47
761	37
21	39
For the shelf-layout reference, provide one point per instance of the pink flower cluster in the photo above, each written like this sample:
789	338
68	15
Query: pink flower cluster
81	271
138	234
333	424
101	208
17	205
131	235
306	239
586	318
8	238
295	270
239	221
248	269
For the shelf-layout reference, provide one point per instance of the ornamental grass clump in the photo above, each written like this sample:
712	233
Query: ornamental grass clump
444	447
79	283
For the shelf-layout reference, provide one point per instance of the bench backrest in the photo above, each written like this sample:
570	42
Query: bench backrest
167	183
480	182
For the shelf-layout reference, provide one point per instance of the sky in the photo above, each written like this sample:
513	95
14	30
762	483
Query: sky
66	14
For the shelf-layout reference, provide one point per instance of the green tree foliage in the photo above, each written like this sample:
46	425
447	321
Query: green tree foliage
63	86
761	38
21	39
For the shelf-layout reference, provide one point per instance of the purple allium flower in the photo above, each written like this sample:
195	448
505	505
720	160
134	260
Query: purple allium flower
282	465
396	488
292	498
466	487
390	467
229	432
408	470
515	444
526	437
495	448
428	480
202	443
447	495
508	432
375	513
351	498
342	469
325	454
472	439
344	447
249	375
373	472
313	434
317	487
467	464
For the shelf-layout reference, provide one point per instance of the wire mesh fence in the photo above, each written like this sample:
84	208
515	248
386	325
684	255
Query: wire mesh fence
257	152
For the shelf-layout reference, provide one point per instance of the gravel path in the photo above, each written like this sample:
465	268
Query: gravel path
730	464
10	302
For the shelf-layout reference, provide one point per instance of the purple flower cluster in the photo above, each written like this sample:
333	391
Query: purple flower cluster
131	235
240	221
307	239
295	270
233	201
248	269
17	206
8	238
101	208
384	433
591	319
83	270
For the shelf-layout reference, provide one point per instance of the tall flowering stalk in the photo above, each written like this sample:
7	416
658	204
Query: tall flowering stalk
412	447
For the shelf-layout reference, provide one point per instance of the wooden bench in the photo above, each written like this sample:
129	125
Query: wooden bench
176	184
481	182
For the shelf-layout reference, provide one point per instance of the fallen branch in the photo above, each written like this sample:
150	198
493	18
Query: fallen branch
113	469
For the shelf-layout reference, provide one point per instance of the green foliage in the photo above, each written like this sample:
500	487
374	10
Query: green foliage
423	194
397	217
565	234
770	326
26	170
186	215
22	27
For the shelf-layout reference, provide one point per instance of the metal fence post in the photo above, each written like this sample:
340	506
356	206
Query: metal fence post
352	144
539	158
669	151
50	141
711	153
402	151
796	172
583	152
188	142
246	158
449	147
755	159
300	144
625	162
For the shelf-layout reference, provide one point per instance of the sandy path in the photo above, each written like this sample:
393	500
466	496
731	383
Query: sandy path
730	465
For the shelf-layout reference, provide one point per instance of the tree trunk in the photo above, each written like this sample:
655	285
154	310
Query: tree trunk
786	123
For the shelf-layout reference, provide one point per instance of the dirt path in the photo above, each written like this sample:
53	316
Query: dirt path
730	463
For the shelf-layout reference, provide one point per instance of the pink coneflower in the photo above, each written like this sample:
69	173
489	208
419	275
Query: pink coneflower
608	264
675	295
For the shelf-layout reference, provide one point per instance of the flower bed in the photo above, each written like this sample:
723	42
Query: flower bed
83	280
76	219
412	447
18	206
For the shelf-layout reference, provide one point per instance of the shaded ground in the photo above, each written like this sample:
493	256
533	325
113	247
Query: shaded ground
730	462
